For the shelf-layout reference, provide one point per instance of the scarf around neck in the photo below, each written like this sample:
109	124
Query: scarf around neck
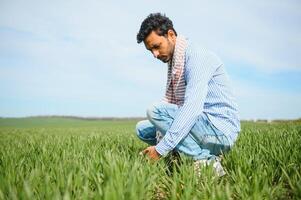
176	85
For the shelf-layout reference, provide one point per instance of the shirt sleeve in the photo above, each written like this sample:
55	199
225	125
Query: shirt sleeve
200	68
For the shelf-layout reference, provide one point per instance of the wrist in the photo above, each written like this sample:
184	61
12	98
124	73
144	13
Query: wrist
157	152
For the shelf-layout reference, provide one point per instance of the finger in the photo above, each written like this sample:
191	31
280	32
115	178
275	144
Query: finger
145	151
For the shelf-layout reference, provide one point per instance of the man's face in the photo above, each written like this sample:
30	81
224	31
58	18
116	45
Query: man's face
162	47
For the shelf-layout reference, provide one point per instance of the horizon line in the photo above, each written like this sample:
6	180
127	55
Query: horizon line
130	118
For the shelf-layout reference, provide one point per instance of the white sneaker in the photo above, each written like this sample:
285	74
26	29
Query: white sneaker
216	164
159	136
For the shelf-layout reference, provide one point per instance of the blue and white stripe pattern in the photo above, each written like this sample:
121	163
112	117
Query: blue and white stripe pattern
208	91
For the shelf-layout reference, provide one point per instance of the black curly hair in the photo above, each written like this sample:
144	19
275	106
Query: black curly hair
155	22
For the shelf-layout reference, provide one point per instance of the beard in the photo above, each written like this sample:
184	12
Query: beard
167	58
171	52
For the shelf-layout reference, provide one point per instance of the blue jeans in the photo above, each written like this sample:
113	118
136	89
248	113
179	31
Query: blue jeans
204	141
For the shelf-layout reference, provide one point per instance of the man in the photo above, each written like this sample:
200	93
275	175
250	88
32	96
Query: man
198	115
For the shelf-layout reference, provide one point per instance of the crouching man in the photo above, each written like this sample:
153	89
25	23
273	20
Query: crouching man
198	115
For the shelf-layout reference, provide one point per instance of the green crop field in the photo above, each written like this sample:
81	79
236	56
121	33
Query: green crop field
61	158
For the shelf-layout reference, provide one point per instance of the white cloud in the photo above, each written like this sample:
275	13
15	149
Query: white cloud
88	47
263	35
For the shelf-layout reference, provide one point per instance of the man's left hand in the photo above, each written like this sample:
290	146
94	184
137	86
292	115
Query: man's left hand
151	153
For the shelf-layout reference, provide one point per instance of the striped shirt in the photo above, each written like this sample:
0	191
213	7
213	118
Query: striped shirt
208	91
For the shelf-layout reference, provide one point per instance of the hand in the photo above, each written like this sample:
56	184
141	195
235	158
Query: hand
151	153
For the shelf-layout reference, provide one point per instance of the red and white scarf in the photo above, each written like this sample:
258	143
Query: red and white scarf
176	86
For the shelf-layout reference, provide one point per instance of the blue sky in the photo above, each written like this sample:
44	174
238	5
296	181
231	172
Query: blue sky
81	57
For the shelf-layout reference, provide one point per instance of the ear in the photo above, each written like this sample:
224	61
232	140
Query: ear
171	35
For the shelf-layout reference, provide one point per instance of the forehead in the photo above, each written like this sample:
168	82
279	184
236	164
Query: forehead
152	39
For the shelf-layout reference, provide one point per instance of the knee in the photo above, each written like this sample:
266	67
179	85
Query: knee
150	112
139	127
153	110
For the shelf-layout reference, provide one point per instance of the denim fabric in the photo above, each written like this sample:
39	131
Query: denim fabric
204	141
